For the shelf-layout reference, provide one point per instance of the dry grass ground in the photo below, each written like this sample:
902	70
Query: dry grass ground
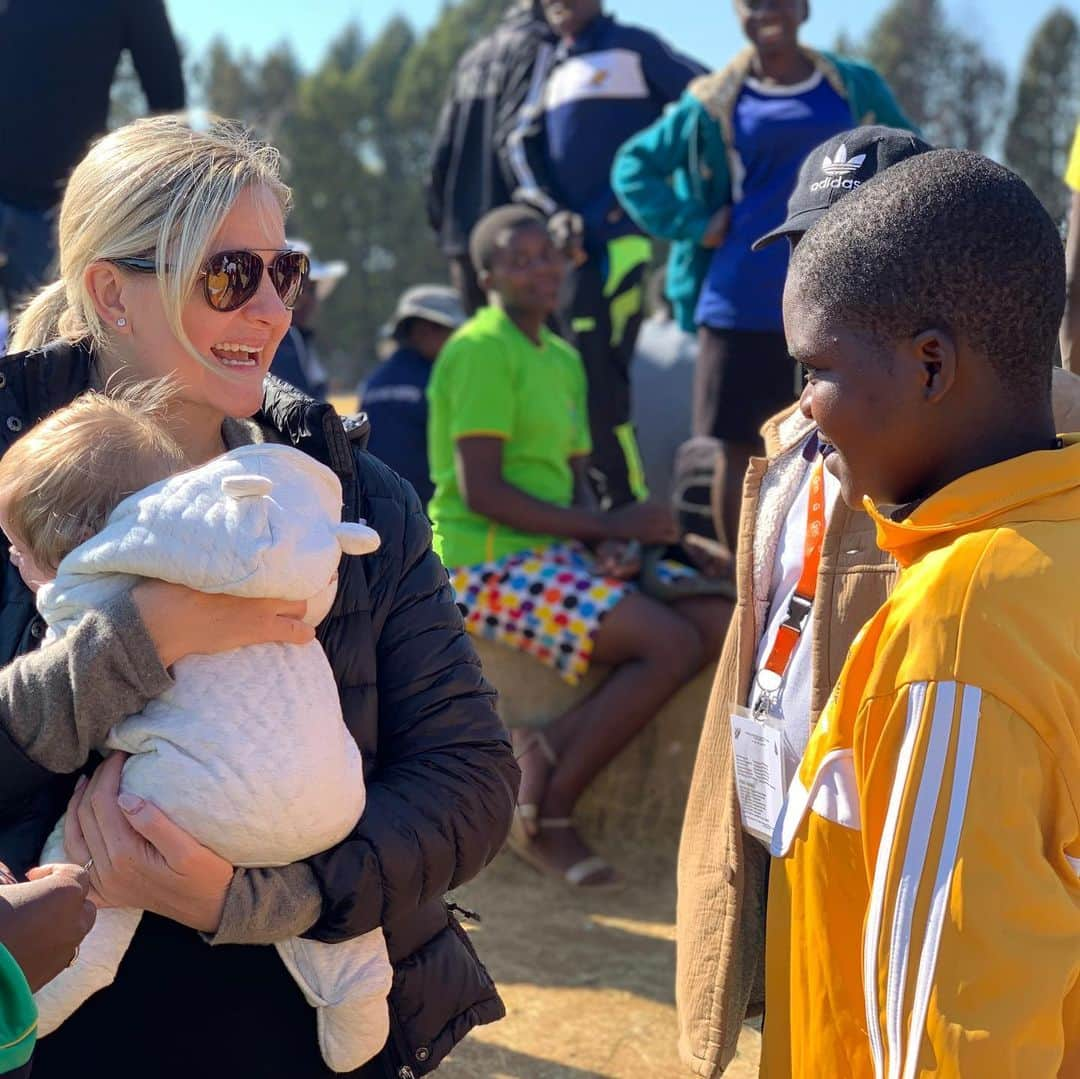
588	980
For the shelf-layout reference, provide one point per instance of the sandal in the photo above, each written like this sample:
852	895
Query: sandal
524	846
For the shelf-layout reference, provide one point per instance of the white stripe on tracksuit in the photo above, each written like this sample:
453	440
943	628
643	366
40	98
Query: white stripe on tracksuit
903	1059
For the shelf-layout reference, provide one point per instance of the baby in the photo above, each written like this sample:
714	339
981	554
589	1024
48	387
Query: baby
247	750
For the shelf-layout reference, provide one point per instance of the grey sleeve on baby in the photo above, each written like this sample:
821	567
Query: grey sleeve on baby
267	905
59	703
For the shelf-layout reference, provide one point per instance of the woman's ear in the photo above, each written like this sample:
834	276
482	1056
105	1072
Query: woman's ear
485	281
106	286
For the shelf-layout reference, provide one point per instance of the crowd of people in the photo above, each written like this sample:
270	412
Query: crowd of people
239	703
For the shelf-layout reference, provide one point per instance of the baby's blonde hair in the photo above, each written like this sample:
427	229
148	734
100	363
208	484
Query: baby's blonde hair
155	188
62	479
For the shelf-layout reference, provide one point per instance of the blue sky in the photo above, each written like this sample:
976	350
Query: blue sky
1004	26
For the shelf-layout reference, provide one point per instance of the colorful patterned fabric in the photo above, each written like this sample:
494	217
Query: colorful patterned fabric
548	603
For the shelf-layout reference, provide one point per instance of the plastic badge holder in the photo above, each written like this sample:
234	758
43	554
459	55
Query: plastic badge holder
760	773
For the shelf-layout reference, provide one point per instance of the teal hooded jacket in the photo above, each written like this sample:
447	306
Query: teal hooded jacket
674	175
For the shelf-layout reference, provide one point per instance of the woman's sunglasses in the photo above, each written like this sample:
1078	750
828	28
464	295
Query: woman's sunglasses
231	278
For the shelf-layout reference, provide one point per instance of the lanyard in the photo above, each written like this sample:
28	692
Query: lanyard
771	676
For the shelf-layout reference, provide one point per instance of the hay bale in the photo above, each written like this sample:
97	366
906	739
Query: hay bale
640	797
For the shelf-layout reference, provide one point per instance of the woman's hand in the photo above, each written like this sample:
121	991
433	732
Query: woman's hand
140	858
647	522
182	622
619	558
717	229
43	921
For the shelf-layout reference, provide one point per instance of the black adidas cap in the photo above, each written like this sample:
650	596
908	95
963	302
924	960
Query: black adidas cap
837	167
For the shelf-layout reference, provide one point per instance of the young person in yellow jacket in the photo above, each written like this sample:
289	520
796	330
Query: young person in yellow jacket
925	919
722	870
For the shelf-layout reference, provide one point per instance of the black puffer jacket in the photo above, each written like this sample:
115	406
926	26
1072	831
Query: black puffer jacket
441	788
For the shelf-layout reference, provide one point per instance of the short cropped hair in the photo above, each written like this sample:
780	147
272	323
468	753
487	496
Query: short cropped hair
945	239
489	233
63	478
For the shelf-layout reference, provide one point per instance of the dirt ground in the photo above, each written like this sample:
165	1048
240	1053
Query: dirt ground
588	980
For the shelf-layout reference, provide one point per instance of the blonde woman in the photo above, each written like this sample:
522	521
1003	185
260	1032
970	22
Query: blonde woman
173	262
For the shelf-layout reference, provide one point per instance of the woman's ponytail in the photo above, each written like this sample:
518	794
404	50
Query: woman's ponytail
41	320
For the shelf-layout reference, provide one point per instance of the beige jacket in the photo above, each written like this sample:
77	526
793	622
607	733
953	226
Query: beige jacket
722	872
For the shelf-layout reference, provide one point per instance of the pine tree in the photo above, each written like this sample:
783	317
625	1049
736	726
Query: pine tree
944	80
1047	103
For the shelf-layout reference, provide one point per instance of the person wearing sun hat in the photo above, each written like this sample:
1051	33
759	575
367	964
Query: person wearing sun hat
297	359
395	397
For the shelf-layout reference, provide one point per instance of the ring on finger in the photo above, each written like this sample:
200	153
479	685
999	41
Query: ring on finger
87	865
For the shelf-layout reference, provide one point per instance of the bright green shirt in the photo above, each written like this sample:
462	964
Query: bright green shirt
18	1015
491	381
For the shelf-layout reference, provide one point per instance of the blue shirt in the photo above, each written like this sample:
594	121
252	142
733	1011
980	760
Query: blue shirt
775	128
395	400
610	83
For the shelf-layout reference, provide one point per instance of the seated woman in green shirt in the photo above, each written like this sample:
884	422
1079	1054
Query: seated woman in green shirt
508	442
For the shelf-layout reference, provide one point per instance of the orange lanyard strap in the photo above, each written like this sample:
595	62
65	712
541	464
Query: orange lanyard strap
798	612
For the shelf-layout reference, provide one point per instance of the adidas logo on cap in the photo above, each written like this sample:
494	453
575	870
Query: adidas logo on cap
839	171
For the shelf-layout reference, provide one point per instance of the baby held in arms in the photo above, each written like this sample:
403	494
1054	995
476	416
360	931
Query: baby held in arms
247	750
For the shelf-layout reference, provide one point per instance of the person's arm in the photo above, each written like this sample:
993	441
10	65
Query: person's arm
973	929
58	703
1070	324
487	493
881	106
155	55
643	168
43	920
524	153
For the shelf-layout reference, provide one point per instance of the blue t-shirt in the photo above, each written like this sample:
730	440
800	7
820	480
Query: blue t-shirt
395	400
775	128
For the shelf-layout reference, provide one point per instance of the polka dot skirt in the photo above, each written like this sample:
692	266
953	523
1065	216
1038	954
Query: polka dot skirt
547	603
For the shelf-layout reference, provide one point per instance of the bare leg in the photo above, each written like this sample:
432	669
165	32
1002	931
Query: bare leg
731	463
654	651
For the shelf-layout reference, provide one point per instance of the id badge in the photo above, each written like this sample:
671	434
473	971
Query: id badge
760	779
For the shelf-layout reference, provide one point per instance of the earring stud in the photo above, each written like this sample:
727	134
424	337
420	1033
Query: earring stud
121	322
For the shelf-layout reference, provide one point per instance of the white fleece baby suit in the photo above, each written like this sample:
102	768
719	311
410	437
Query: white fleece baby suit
248	751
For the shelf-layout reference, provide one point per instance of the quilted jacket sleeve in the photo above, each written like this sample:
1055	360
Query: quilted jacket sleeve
439	805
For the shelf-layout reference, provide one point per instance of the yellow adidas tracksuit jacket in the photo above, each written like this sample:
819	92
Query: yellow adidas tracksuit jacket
925	917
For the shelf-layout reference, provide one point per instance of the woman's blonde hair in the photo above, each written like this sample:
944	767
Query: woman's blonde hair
62	479
155	188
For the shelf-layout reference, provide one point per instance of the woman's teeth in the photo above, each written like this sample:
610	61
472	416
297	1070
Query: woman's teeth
234	355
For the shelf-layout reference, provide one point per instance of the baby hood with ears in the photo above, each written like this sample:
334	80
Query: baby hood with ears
261	521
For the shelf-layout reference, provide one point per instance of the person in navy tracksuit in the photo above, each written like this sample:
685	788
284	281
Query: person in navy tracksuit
603	83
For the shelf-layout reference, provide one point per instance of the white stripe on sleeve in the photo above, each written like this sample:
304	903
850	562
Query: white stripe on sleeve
922	823
876	909
965	759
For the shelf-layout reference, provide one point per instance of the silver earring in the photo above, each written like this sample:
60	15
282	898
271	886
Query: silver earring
121	322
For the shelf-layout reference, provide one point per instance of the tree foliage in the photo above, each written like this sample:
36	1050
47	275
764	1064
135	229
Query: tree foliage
1045	111
354	132
942	76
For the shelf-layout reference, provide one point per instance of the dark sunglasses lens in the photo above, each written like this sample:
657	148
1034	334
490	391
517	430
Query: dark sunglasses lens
232	278
289	272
